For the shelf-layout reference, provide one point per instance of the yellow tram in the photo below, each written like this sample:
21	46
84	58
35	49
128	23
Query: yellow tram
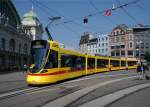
51	63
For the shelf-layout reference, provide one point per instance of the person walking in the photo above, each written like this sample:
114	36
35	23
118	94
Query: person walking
141	71
25	68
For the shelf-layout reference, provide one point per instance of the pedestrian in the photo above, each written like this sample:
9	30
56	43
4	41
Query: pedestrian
141	70
25	68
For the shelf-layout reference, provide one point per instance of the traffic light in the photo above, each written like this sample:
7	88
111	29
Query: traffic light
85	20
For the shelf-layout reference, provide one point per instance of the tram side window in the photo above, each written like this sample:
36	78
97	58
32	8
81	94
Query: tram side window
78	62
52	61
115	63
131	63
101	63
72	61
66	60
123	63
91	63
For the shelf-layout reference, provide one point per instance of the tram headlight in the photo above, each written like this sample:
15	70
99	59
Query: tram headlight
44	71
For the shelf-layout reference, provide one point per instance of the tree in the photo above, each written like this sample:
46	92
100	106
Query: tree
147	56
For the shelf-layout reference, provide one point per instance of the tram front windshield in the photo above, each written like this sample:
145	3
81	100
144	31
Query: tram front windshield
38	52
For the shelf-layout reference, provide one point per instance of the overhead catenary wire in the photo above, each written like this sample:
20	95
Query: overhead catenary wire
91	3
143	8
44	6
92	14
41	8
103	11
127	13
89	15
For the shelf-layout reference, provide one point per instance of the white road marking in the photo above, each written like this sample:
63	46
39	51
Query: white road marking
63	101
96	77
15	92
53	89
35	88
103	101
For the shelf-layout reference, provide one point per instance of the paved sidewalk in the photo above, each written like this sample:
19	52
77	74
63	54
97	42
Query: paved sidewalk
13	76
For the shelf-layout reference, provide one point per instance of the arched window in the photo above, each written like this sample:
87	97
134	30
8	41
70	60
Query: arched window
12	45
25	48
3	43
19	48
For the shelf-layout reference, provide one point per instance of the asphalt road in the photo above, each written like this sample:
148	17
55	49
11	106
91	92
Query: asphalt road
14	91
138	99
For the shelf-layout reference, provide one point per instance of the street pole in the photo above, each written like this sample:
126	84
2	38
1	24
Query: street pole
139	44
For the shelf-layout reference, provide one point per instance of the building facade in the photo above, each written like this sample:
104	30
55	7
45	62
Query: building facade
91	45
103	45
129	41
84	41
31	25
14	43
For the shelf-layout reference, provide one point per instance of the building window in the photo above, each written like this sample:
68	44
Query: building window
117	53
147	47
102	50
102	39
130	52
114	33
112	53
106	44
106	38
112	47
122	53
25	48
99	50
19	48
3	43
117	32
12	45
147	44
117	47
122	46
130	44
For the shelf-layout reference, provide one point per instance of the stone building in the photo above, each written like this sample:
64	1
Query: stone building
130	41
89	44
92	46
31	25
14	43
103	45
84	41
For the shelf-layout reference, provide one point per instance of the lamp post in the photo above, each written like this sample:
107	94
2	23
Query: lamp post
52	19
139	49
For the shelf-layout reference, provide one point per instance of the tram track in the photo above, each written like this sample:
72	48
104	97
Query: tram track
21	91
61	86
5	82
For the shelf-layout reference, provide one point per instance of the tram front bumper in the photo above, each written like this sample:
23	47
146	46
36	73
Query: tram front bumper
39	80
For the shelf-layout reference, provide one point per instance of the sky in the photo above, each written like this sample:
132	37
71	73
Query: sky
75	11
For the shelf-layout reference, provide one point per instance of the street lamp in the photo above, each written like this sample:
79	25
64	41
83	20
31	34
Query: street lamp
139	49
52	19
